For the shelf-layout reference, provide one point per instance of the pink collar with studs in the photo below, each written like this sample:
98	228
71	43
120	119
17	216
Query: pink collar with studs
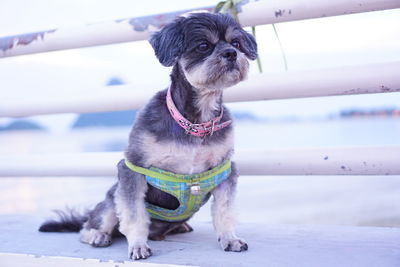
199	129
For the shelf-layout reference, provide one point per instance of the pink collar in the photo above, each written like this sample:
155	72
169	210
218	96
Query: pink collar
200	129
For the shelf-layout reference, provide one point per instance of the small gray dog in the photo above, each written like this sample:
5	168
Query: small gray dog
180	145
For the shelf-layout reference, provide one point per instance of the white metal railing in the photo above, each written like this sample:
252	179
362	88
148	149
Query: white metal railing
341	81
377	160
367	79
135	29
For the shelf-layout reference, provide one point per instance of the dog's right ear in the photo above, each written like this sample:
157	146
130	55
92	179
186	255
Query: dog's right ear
168	43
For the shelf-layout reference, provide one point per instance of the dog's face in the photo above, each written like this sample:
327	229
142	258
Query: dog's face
211	49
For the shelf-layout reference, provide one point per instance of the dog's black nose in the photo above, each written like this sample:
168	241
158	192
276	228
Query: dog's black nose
230	54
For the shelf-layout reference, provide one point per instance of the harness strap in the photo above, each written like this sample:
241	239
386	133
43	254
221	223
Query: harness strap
179	178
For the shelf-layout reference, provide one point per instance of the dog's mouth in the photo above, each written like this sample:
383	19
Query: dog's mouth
229	69
225	70
231	66
223	76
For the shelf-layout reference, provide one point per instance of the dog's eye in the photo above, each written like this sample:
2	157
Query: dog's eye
203	47
235	44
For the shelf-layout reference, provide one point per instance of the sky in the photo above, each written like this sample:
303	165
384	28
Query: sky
358	39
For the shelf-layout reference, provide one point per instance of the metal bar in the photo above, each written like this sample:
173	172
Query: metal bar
93	34
379	160
135	29
275	11
383	160
349	80
367	79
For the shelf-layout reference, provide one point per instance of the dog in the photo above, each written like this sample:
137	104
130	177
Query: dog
183	135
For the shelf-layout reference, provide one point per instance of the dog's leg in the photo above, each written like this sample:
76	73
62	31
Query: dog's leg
223	217
131	211
97	230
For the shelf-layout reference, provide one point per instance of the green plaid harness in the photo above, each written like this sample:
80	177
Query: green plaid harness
181	186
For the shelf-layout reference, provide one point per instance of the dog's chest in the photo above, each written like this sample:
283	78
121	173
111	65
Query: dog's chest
185	159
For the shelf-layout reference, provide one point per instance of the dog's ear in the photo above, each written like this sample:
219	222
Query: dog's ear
249	45
168	43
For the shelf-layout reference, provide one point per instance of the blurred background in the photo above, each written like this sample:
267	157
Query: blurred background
358	39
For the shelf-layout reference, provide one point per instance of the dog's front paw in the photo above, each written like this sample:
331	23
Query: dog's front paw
139	250
232	243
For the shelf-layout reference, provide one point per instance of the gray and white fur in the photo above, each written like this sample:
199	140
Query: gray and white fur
208	52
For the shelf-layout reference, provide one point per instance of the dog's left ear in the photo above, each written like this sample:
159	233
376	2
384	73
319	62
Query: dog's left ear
168	43
249	45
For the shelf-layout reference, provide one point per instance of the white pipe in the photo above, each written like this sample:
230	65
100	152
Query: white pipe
377	78
349	80
93	34
134	29
275	11
383	160
380	160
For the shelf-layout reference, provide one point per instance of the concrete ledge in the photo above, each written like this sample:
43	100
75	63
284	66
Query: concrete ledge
269	245
12	260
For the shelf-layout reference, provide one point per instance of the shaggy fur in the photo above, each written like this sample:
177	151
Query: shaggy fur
208	52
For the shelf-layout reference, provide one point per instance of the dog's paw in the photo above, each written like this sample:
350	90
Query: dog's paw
101	240
139	250
95	238
233	244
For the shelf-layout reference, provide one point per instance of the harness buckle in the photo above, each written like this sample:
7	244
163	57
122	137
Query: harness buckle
195	189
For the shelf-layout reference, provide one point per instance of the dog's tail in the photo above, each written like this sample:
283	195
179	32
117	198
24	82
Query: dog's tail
67	221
